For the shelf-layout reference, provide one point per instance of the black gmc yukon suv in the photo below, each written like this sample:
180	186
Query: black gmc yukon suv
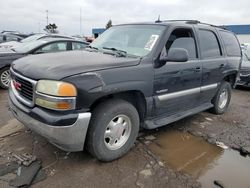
134	75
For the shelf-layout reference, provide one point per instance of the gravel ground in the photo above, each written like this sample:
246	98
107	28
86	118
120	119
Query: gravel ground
139	168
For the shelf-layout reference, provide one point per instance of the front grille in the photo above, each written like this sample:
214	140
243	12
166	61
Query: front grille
23	88
26	88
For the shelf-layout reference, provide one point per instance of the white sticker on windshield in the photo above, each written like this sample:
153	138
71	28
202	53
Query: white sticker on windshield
150	44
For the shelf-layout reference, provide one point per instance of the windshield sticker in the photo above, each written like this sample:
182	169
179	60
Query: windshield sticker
150	44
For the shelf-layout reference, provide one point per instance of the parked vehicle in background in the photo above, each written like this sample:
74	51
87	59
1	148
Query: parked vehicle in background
15	44
10	37
144	74
47	45
245	69
245	46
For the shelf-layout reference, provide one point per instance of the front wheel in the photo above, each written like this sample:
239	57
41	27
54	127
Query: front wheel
222	98
5	78
113	129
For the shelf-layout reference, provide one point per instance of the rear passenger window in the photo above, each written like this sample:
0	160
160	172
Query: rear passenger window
231	43
209	44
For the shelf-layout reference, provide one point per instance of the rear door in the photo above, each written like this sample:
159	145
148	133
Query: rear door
213	62
177	84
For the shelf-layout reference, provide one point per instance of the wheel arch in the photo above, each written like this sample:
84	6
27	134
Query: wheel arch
135	97
231	77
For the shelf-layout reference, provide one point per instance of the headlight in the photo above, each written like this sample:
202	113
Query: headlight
56	88
55	95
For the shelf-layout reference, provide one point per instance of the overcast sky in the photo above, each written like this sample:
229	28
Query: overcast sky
26	15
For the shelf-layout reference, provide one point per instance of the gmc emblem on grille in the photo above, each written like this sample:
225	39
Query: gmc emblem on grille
17	85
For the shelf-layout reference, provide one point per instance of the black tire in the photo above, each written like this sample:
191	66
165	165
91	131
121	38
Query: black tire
102	115
2	71
225	86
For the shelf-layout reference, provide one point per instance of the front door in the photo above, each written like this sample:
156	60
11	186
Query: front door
177	84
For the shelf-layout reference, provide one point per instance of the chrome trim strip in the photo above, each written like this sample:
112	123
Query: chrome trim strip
186	92
209	87
33	82
178	94
71	100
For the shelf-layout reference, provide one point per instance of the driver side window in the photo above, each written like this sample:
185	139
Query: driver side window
182	38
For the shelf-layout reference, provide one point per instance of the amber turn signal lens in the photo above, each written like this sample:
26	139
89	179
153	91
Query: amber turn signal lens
66	90
63	105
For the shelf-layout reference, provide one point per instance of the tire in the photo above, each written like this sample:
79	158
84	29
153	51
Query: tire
105	128
222	99
4	77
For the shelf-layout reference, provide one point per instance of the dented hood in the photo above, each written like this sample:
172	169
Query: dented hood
57	66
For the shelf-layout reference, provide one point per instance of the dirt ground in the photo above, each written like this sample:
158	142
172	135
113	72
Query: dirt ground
141	167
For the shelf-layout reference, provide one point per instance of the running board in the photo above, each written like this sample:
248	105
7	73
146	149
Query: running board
158	122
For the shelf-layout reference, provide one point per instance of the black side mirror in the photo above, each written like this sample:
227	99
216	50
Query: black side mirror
38	52
176	55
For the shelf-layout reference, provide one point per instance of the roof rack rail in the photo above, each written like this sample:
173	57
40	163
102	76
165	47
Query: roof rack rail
187	21
193	22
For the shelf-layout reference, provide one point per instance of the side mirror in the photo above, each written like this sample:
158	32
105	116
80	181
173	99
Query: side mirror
38	52
176	55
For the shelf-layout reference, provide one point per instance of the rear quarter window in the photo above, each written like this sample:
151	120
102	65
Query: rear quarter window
231	44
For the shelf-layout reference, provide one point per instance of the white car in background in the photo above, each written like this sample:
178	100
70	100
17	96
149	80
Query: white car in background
14	44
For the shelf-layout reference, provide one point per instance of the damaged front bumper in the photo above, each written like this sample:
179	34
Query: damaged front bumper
66	137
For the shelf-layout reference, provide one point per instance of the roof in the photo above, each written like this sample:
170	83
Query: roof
50	39
239	29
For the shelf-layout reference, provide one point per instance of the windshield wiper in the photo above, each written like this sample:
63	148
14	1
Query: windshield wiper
92	47
120	53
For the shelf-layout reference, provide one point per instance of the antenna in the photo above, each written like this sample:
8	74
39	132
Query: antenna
47	16
80	21
159	19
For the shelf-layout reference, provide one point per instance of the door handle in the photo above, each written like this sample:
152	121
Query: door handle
197	69
222	65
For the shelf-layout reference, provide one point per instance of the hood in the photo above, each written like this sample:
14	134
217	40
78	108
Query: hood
57	66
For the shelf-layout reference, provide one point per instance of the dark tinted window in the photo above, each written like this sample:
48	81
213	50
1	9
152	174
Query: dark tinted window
182	38
209	44
231	43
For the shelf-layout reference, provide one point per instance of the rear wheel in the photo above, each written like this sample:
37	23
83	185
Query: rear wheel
113	129
5	78
222	98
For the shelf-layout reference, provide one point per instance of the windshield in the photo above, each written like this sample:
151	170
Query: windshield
136	40
26	47
32	38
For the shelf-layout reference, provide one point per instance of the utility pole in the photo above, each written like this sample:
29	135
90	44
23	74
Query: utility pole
80	21
47	16
39	28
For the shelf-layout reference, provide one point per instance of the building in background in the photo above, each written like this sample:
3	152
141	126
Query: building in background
242	32
97	31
